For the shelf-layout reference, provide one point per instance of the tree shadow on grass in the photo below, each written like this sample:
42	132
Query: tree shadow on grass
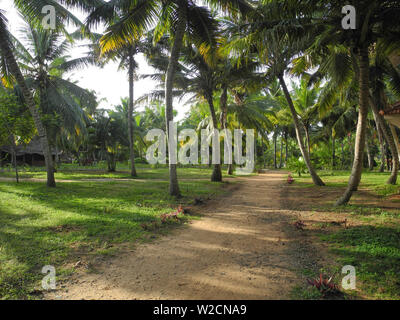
375	253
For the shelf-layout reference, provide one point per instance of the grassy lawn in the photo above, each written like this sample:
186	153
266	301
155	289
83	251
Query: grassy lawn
372	241
75	172
373	181
41	226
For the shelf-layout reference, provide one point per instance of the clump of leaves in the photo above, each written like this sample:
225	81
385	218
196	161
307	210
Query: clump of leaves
297	165
174	216
324	285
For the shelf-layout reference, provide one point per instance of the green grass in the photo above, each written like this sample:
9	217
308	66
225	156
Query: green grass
373	248
74	172
41	226
375	253
374	181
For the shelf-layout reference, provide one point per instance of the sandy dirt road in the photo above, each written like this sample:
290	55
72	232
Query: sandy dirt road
244	247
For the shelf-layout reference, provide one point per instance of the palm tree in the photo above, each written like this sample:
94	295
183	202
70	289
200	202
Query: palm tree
9	59
179	18
276	49
43	58
376	19
305	102
126	58
31	9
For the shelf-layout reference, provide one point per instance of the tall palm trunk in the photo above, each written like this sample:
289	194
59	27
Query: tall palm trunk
333	152
369	155
307	131
281	155
381	144
316	179
217	173
286	148
275	149
14	69
169	83
14	157
396	139
343	157
224	118
389	139
356	171
130	112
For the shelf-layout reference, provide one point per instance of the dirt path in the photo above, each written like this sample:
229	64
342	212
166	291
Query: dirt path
244	247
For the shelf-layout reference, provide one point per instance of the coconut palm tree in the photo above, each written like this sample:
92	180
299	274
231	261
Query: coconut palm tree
32	11
375	19
43	58
305	102
179	18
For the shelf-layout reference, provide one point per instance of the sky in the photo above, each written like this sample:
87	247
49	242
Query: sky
107	82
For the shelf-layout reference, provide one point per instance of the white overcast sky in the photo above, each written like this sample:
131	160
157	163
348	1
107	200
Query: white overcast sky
107	82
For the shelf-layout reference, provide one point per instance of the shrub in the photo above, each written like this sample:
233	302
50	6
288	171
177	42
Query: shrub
297	165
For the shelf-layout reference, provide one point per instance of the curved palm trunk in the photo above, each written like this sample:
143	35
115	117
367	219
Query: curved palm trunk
307	131
390	141
169	83
396	139
130	112
13	66
316	179
216	175
356	171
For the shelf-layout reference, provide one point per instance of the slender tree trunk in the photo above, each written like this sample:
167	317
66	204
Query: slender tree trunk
389	139
306	130
343	157
381	144
130	112
395	138
369	155
5	47
351	151
111	162
169	84
275	138
14	157
286	148
281	158
57	157
217	173
224	118
333	152
316	179
264	155
356	171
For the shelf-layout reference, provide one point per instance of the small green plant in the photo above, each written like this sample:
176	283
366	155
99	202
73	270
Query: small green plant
297	165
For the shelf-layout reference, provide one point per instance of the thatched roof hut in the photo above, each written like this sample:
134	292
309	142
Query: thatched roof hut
31	153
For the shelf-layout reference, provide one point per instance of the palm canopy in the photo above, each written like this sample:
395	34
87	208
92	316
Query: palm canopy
128	20
43	57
